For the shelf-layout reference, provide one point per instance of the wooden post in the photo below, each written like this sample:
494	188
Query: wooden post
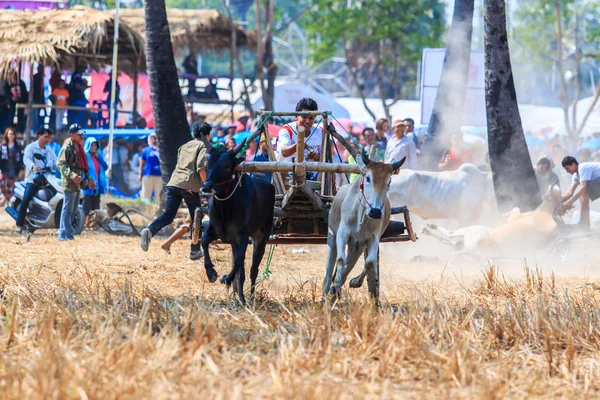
277	179
135	92
232	50
323	158
27	132
300	172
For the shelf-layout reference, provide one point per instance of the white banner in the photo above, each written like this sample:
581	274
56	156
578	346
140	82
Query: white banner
433	61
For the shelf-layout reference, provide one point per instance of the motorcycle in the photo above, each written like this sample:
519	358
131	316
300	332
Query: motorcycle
46	206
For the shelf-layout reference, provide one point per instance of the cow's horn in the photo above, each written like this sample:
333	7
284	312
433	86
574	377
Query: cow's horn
364	156
398	164
239	147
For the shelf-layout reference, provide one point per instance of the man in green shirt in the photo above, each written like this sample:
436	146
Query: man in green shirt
73	167
185	184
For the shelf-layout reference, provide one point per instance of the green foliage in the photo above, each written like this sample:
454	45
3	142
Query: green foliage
409	24
534	30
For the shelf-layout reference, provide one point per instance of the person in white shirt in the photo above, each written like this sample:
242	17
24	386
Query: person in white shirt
32	167
287	136
586	175
399	146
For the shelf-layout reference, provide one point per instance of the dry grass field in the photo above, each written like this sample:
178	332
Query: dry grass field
97	318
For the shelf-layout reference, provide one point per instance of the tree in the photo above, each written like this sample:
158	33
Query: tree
381	40
449	105
515	183
170	120
561	35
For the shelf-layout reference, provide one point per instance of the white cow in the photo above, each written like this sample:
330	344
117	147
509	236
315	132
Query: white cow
459	194
359	215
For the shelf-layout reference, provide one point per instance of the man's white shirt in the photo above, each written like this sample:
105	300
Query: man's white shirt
397	149
312	140
588	171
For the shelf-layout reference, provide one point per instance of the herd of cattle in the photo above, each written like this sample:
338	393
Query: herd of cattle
360	213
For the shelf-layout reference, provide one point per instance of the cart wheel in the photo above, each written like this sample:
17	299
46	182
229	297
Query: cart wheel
408	225
197	224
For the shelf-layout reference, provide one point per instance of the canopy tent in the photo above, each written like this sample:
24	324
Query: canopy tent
287	95
58	37
199	30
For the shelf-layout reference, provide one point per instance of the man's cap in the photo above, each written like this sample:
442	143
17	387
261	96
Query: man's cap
75	128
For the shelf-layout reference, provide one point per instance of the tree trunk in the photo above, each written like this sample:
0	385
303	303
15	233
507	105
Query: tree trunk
269	57
170	120
448	109
515	183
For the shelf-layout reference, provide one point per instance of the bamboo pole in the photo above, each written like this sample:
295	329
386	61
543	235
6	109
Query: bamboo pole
290	113
135	92
290	166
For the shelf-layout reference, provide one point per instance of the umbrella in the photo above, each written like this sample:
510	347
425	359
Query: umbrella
592	144
238	137
533	141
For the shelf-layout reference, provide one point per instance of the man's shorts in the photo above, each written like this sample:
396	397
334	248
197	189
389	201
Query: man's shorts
593	189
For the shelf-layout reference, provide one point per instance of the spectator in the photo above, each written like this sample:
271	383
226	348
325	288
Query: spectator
18	95
399	146
108	89
11	162
119	159
77	95
243	123
231	143
61	97
131	179
4	105
37	91
54	146
220	137
375	149
149	170
97	172
32	168
74	170
382	128
409	123
545	176
262	155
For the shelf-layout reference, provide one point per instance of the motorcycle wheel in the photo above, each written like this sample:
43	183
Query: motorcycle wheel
78	221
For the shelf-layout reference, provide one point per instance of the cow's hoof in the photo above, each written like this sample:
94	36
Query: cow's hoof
355	282
212	275
224	279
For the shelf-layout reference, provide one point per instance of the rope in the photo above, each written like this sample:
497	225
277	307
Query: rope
267	273
239	182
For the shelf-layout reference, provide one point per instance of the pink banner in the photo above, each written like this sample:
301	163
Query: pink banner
144	104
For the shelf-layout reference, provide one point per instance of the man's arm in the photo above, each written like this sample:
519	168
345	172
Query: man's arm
288	151
141	168
28	160
201	163
569	193
577	195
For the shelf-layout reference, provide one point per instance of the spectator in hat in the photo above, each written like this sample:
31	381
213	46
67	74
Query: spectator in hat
74	171
262	155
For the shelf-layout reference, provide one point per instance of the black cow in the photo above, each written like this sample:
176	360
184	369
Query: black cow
240	207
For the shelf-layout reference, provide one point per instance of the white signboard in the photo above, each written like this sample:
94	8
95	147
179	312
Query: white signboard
433	61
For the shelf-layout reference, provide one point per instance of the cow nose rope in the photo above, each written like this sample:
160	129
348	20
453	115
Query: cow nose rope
362	191
238	184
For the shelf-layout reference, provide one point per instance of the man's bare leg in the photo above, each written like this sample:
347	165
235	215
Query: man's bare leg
584	219
178	234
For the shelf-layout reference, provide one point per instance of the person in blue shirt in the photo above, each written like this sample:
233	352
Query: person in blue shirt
262	156
149	173
97	172
108	89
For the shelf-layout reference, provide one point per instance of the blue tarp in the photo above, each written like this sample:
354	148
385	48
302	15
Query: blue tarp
127	134
592	144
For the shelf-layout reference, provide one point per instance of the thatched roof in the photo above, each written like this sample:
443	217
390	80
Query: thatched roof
57	36
200	30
